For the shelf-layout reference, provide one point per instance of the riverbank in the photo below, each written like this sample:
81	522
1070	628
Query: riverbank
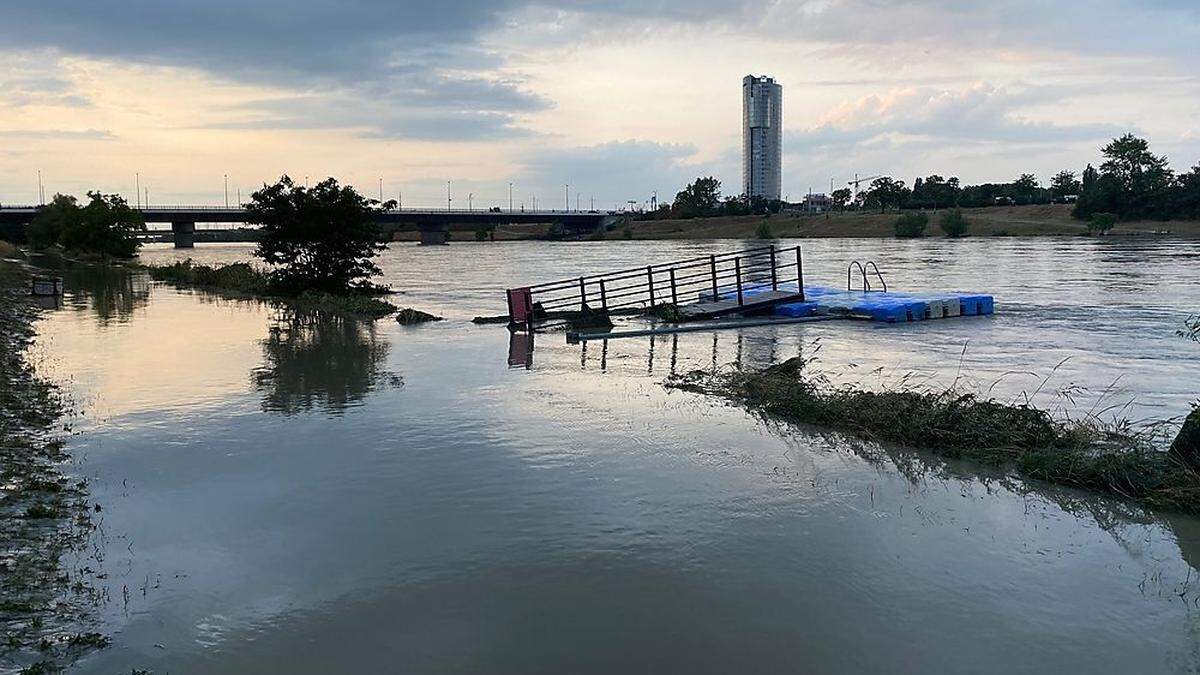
44	514
1047	220
1084	453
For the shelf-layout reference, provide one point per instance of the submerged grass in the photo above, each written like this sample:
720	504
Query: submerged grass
244	279
44	514
1080	453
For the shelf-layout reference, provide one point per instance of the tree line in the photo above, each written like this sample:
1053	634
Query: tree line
1132	183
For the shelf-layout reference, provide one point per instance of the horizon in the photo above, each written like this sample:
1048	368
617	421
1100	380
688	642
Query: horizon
590	95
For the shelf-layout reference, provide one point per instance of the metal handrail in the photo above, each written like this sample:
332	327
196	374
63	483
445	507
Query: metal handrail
850	269
882	282
715	276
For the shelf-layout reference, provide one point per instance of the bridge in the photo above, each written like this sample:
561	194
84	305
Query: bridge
432	223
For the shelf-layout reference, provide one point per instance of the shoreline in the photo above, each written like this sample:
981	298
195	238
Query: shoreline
44	512
1043	220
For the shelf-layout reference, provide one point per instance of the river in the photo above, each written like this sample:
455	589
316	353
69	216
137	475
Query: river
283	494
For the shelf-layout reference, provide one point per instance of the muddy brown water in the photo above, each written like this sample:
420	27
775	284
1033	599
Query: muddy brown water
284	494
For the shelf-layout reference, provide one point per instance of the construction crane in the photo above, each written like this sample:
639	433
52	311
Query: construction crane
858	180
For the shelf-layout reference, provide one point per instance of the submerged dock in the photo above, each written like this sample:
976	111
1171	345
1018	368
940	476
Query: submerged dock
760	282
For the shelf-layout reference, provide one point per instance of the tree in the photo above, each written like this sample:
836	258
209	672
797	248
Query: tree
840	198
885	192
1064	183
954	223
1143	178
700	198
47	227
1025	187
1185	198
320	239
106	226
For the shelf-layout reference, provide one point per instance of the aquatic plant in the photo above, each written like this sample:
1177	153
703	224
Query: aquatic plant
666	312
243	278
950	423
1191	329
409	316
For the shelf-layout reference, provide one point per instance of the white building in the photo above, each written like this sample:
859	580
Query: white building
762	137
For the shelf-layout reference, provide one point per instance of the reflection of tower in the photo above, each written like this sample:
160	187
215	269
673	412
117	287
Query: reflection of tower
762	137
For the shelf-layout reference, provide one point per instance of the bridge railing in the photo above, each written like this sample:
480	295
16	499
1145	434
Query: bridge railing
720	276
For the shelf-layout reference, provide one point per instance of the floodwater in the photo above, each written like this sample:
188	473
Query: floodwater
283	494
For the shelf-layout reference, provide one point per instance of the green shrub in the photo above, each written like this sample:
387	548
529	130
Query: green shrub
627	233
954	223
912	225
764	231
1101	223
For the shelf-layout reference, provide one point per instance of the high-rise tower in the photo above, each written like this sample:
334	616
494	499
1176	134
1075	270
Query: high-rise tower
762	137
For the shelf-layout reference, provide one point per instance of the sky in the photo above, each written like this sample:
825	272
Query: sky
618	99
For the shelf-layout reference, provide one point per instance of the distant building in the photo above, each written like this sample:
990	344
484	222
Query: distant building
762	137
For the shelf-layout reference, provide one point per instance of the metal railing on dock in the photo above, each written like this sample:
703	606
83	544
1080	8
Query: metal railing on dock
729	276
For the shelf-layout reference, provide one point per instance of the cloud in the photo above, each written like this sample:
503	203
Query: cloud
981	113
612	172
58	134
414	106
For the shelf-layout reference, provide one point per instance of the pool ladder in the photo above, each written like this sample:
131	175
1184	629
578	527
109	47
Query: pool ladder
863	273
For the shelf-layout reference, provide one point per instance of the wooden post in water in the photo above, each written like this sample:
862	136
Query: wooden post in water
582	294
674	299
650	278
603	297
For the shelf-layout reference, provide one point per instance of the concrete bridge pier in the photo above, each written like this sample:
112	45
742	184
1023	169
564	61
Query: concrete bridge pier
434	235
185	234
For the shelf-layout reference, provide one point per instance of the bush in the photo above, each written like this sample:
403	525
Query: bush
627	233
954	223
764	231
1101	223
912	225
322	239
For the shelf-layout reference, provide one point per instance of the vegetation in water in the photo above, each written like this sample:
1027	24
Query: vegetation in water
1089	454
912	225
954	223
105	227
409	316
245	279
44	514
667	313
1191	329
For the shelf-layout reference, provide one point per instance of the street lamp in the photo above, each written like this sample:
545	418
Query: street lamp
510	196
226	190
448	196
566	197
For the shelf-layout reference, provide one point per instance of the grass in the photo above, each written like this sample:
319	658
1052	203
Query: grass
8	250
952	424
245	279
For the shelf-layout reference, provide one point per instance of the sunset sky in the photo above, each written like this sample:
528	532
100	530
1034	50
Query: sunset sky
616	98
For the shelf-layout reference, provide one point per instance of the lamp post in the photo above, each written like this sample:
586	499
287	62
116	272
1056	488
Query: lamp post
448	196
226	190
566	197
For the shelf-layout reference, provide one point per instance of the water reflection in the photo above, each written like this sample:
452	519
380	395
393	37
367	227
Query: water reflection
113	293
320	362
